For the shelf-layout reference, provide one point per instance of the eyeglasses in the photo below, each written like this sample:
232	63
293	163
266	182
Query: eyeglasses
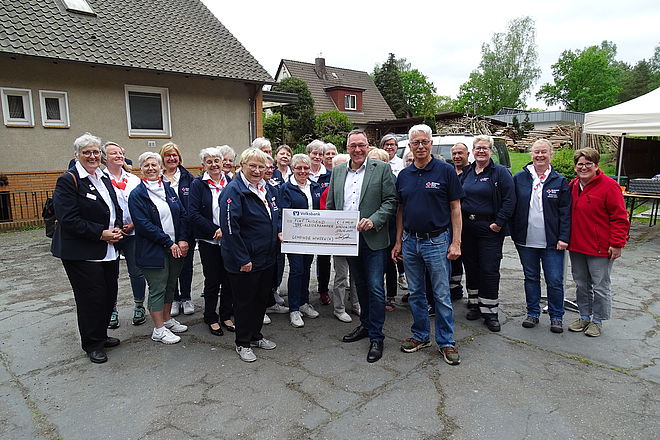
301	168
584	165
481	148
89	153
254	166
354	146
425	142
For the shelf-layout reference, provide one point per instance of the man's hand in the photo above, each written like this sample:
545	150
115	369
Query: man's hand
183	245
493	227
454	251
247	267
561	245
396	252
364	225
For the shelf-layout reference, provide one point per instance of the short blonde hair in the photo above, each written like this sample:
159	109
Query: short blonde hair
379	154
253	153
168	147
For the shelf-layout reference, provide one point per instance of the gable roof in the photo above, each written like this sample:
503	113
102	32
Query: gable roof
374	107
178	36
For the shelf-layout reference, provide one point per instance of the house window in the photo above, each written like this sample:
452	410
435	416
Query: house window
148	111
54	108
350	102
17	107
80	6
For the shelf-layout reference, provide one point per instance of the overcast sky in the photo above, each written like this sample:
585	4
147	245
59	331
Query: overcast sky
440	38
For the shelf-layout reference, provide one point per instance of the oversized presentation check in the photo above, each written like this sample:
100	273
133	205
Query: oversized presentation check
308	231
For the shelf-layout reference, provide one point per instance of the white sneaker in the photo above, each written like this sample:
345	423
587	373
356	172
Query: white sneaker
266	319
165	336
278	299
296	319
188	307
343	317
278	308
264	344
176	307
309	311
403	282
175	326
246	354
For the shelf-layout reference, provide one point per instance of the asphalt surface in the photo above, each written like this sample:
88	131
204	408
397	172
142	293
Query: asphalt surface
516	384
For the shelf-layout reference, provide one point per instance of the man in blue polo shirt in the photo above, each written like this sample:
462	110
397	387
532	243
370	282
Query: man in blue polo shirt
429	205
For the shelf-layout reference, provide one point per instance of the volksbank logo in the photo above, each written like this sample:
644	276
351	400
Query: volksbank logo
306	213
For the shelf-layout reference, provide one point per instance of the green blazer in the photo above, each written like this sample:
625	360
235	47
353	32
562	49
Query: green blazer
377	199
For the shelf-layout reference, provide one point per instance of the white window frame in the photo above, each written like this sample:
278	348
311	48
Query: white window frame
63	99
164	93
348	98
26	94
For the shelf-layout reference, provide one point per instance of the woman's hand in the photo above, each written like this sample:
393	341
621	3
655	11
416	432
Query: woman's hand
183	245
111	235
614	252
127	229
218	234
247	267
493	227
176	251
561	245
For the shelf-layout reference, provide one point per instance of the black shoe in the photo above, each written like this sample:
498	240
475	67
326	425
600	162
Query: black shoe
97	356
375	351
111	342
230	328
473	315
455	296
216	332
493	324
357	334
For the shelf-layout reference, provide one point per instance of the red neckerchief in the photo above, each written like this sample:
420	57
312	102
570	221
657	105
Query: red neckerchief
223	182
121	185
159	181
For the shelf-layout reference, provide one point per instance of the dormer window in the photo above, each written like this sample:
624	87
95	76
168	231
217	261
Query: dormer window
79	6
350	102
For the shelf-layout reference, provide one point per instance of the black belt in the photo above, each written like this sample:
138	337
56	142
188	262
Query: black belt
426	235
478	217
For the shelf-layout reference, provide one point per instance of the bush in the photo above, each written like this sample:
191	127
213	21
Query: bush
562	162
333	126
273	129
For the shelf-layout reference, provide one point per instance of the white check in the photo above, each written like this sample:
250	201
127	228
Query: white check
310	231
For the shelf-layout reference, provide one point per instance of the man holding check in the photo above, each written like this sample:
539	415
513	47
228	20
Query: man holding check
366	185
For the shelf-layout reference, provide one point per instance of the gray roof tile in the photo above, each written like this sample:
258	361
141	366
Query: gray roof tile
180	36
374	107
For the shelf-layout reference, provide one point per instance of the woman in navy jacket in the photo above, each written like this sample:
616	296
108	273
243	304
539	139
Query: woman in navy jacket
180	179
161	244
250	225
204	214
89	222
540	228
299	192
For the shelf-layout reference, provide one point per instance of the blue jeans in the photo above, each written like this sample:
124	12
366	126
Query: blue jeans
553	272
368	270
298	284
138	285
419	256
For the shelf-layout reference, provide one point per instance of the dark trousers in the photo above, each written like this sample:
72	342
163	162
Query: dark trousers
390	274
182	292
215	276
95	291
481	250
298	284
323	272
367	269
251	291
455	286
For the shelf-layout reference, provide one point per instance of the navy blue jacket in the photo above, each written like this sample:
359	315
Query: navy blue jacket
556	200
82	215
150	239
249	234
324	179
183	191
200	209
292	197
277	176
501	186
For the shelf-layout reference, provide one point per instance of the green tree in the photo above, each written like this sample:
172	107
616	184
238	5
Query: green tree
654	64
273	128
388	80
636	81
506	73
419	93
333	126
300	114
584	80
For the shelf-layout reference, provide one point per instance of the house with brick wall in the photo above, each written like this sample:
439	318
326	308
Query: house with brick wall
352	92
140	73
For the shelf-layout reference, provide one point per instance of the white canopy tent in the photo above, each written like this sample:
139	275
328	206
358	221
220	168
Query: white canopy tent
637	117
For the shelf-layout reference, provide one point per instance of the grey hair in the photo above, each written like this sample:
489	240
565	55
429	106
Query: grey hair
316	143
340	158
104	152
210	151
386	138
260	142
420	128
301	158
354	132
545	142
86	140
460	143
150	155
328	146
379	154
483	137
225	150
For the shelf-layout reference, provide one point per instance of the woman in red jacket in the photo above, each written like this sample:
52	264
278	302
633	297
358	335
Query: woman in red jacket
599	230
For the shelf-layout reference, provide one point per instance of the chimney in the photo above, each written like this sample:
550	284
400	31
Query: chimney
319	68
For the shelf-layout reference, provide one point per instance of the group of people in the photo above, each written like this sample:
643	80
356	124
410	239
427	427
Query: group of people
423	218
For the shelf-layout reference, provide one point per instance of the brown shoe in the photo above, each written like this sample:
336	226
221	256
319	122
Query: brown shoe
412	345
450	355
